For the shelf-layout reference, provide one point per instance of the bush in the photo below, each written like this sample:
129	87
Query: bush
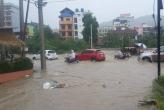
158	90
5	67
18	65
22	64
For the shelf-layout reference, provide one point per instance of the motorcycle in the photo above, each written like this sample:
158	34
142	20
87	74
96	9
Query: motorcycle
68	60
125	55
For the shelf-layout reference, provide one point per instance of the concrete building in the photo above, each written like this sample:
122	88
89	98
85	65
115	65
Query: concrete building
123	21
66	23
11	17
1	13
103	31
78	23
71	23
145	28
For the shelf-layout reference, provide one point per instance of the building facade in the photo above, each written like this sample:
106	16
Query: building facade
123	21
1	13
78	23
103	31
11	17
66	23
71	23
145	28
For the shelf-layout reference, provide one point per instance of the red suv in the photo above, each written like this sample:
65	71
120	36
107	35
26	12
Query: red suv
91	54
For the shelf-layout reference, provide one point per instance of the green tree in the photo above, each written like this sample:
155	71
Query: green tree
53	42
89	20
119	39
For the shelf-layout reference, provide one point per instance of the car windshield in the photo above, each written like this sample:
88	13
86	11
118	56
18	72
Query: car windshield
51	51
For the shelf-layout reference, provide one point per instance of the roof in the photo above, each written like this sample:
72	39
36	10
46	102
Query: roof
66	12
9	39
67	9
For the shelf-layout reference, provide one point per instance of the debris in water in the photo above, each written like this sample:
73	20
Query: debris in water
104	86
27	76
148	102
52	84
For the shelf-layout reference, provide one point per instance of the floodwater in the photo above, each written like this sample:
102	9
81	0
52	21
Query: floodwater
110	85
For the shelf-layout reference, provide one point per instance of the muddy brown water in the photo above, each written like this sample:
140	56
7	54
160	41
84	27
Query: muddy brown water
110	85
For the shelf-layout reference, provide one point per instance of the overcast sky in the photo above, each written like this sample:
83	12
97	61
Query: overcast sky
104	10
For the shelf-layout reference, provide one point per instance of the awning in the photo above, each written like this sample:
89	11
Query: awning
9	39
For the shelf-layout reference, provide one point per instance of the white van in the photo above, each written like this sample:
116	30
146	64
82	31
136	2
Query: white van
49	54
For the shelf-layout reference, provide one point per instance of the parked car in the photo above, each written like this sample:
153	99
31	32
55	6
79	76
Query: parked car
49	54
91	54
152	56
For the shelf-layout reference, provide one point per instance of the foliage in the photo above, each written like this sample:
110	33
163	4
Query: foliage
89	20
158	90
118	40
5	67
53	42
22	63
18	65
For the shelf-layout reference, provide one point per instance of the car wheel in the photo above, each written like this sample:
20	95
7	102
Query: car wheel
147	59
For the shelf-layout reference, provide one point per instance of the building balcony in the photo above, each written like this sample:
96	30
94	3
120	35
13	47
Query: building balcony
65	22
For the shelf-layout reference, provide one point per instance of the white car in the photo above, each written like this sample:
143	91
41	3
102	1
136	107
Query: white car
152	56
49	54
146	56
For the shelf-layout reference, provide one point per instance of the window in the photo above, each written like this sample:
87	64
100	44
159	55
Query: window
87	51
8	13
7	7
76	33
76	27
8	18
69	33
8	23
75	20
61	18
63	33
67	19
63	27
162	49
69	26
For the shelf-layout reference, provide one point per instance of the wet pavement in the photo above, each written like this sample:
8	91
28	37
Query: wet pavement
110	85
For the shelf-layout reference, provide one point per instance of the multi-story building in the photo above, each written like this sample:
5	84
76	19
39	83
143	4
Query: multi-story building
71	23
1	13
66	23
103	31
145	28
11	17
123	21
78	23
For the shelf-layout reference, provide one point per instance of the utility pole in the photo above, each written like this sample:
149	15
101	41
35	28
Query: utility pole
159	7
26	18
21	14
41	34
91	37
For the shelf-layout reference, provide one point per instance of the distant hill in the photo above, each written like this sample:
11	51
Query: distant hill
138	21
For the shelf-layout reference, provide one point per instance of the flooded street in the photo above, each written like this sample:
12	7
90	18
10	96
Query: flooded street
110	85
